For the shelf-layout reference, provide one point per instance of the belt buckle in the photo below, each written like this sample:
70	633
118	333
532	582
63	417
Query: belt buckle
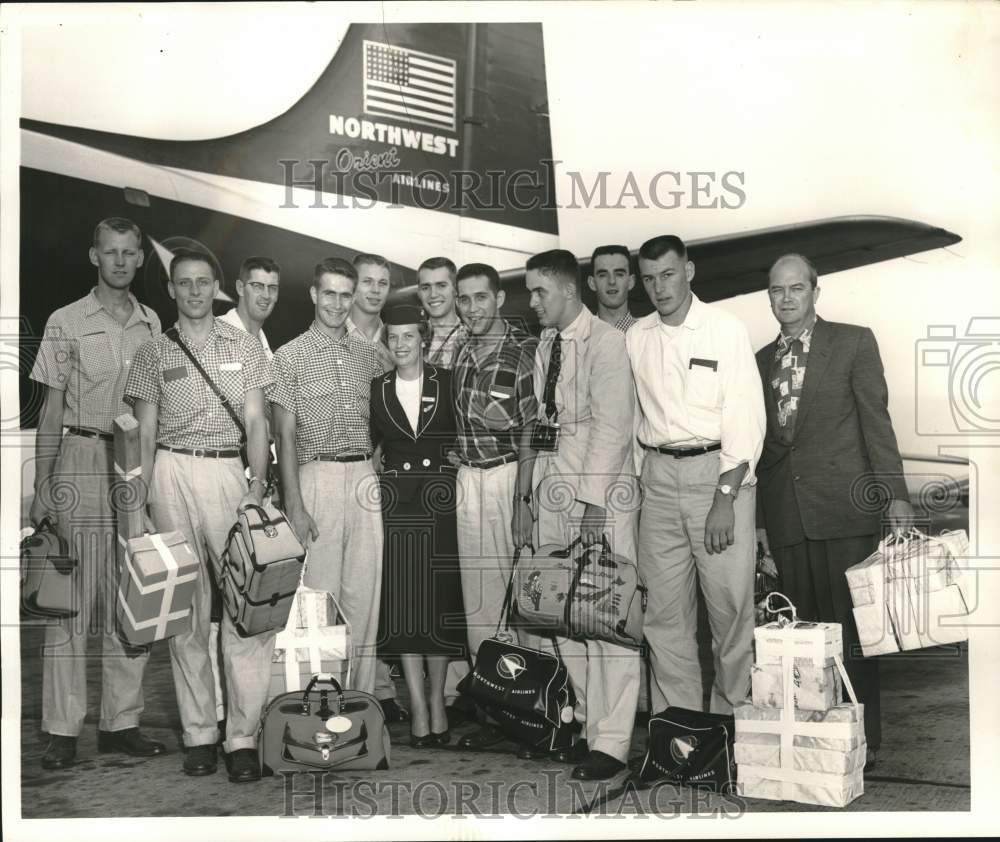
198	451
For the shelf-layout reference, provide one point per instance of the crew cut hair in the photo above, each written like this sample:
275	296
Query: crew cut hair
265	264
432	263
183	255
655	248
118	224
475	270
335	266
555	262
374	259
601	251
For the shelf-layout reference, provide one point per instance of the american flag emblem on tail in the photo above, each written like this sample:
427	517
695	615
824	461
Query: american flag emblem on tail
409	85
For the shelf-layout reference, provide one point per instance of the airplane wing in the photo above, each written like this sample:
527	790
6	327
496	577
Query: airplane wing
736	264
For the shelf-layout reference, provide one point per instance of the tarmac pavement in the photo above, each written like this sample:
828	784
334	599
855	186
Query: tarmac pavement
923	764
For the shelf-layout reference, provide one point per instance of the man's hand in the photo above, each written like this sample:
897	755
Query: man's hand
762	540
521	524
452	458
901	515
303	525
592	524
38	511
719	524
253	497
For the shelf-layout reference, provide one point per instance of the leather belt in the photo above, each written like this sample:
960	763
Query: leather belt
342	457
489	463
201	452
91	434
683	452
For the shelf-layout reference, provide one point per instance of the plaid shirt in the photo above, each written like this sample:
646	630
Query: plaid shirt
326	383
87	353
190	415
494	390
443	348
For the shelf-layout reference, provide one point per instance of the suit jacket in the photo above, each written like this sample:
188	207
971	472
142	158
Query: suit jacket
596	417
409	458
833	478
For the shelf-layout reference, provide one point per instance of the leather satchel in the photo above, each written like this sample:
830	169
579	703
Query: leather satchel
691	748
323	729
260	570
586	593
527	691
49	574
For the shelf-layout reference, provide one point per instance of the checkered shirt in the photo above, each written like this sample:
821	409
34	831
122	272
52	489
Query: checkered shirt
190	415
326	382
86	353
385	358
625	322
442	351
494	390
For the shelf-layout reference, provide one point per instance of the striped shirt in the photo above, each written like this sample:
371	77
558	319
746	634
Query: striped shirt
87	353
494	390
190	415
326	383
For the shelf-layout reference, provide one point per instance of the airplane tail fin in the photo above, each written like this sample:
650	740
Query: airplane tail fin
450	117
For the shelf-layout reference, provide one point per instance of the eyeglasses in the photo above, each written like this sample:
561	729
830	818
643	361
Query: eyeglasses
257	288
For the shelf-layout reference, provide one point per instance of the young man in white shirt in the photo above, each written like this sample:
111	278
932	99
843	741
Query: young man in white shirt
611	278
701	429
256	296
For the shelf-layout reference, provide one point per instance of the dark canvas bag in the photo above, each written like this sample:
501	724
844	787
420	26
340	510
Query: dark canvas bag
526	690
323	729
691	748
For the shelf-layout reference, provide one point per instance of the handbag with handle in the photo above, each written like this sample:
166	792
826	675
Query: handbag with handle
692	748
586	593
49	574
323	729
527	691
260	570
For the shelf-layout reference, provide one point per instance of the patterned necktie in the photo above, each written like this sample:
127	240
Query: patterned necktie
787	378
551	378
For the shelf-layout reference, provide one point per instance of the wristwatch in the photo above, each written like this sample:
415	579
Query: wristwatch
524	498
727	489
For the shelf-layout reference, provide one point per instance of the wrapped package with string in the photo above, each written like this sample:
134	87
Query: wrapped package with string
315	640
783	751
911	593
156	588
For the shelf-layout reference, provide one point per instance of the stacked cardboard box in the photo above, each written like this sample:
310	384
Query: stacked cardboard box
795	741
910	594
315	640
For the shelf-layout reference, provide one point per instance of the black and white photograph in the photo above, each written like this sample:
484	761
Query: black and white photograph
500	420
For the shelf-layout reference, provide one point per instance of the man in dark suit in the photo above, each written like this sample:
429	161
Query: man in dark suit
830	476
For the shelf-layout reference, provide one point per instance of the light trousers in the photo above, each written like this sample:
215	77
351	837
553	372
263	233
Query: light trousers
346	559
604	675
199	497
677	497
78	494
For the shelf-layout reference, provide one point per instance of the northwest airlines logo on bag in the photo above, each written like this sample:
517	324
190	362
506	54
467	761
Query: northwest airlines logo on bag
510	666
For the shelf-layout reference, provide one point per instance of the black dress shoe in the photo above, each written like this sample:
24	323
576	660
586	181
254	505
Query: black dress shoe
393	712
871	758
243	766
575	754
422	742
441	738
598	767
128	741
60	752
201	760
488	735
531	753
